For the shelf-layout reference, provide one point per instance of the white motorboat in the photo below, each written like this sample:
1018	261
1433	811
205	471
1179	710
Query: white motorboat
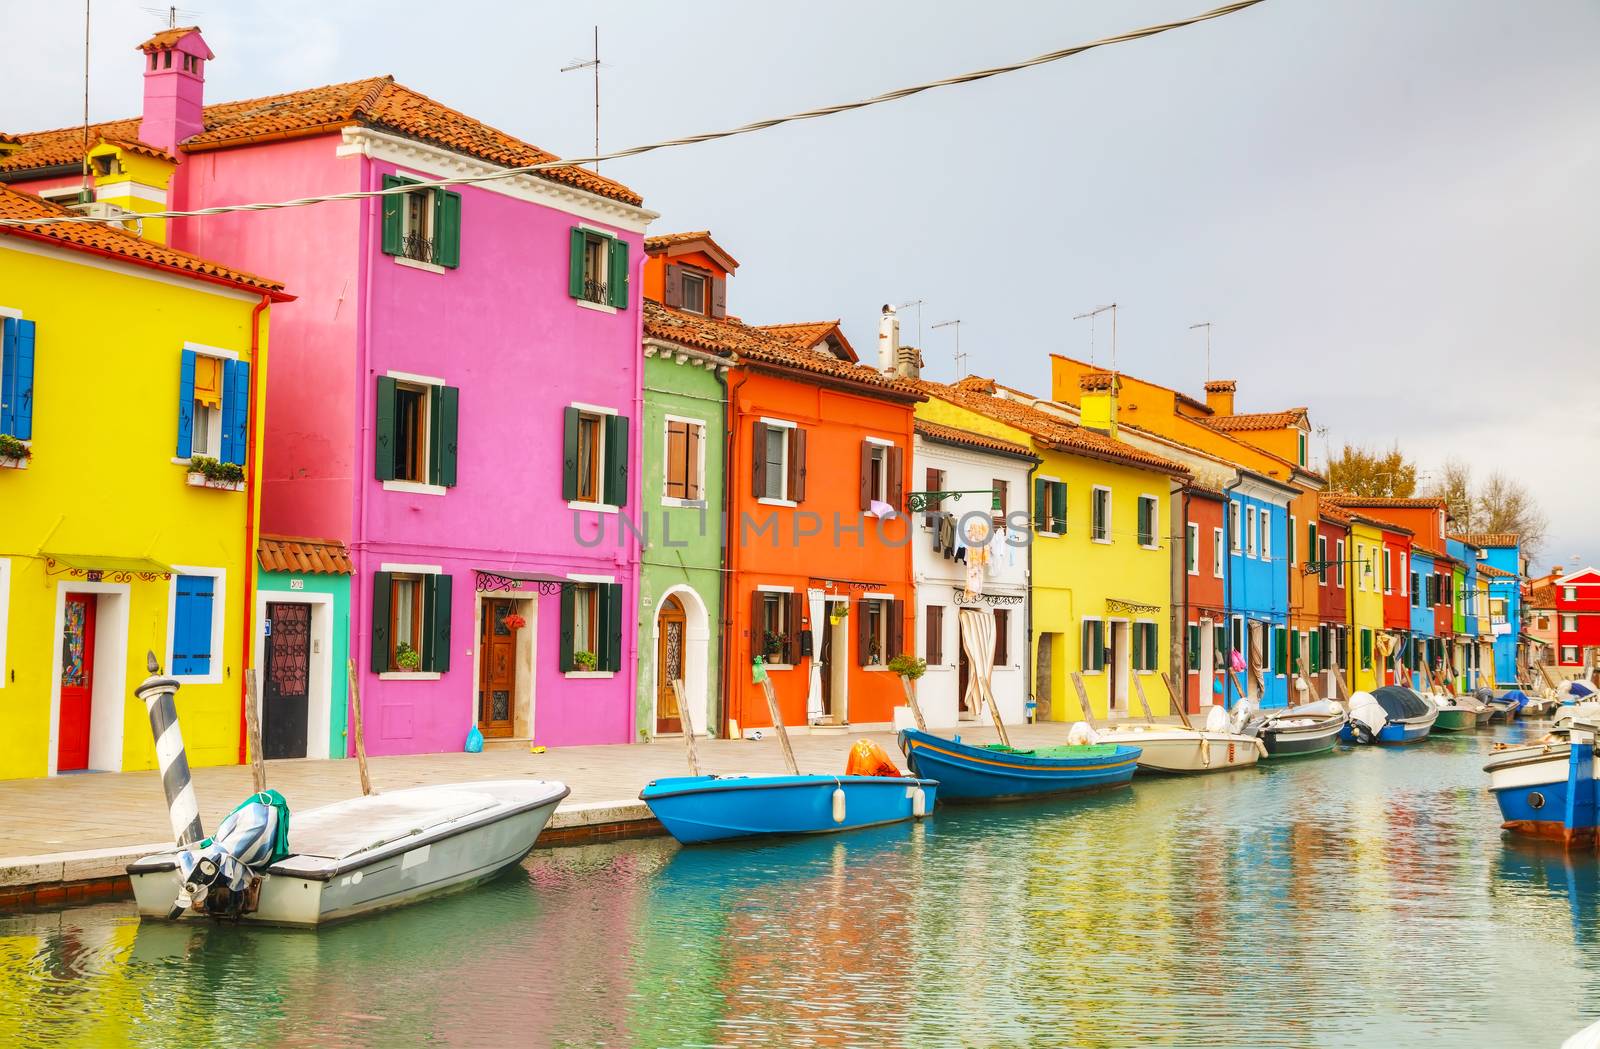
371	852
1174	749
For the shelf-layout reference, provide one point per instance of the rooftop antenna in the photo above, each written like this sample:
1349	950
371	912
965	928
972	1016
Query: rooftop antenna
961	358
1091	315
83	186
1207	326
918	305
592	63
171	14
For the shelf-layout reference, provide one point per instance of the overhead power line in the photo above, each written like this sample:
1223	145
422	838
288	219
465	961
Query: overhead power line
686	140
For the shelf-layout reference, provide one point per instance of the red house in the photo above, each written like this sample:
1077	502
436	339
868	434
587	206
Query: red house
1200	598
1578	620
1334	612
1394	572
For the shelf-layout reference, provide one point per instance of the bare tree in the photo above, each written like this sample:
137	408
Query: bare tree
1504	504
1453	484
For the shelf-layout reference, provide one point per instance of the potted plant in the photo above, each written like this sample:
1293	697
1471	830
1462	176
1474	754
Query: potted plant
206	472
910	668
14	453
585	661
774	643
514	622
406	657
838	612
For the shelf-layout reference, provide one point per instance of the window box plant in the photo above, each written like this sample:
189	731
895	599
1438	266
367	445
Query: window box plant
585	661
206	472
14	454
774	645
407	658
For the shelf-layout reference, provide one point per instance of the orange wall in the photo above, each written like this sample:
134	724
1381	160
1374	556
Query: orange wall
835	421
655	270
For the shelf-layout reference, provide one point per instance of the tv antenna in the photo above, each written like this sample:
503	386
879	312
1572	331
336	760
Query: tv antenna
918	305
1207	326
1091	315
171	14
961	358
594	64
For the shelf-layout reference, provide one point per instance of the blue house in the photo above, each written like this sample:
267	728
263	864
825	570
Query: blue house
1420	584
1256	590
1501	562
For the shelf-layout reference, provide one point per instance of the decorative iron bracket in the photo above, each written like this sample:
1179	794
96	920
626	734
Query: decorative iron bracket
492	583
916	502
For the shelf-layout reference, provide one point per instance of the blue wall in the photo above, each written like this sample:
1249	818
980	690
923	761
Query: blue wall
1507	559
1257	587
1421	614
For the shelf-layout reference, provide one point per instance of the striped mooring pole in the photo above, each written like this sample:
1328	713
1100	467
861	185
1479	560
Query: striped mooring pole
182	808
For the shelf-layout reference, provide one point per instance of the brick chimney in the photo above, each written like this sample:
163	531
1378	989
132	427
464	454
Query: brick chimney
174	87
1219	396
1097	401
908	363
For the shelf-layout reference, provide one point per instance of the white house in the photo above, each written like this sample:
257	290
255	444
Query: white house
946	459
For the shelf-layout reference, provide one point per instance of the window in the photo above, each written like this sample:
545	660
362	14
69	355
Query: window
933	482
1191	546
1404	577
1544	622
598	268
1250	533
1366	648
1219	647
1569	593
1302	452
1322	556
1416	600
1569	653
1237	535
416	431
595	457
1388	581
1312	535
1001	502
685	459
1280	650
694	290
1002	637
1216	552
213	407
1310	547
591	627
1149	515
1094	646
933	643
779	461
1146	653
878	637
1339	568
1266	534
1050	506
1342	636
1192	648
410	620
1569	622
1236	641
1102	515
1295	640
423	225
197	608
881	472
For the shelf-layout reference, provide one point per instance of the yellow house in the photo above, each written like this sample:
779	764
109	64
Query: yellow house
129	420
1366	602
1101	544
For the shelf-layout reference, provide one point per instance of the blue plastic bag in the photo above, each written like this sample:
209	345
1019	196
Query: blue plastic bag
474	741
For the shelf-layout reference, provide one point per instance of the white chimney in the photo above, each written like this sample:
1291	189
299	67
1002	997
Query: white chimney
888	341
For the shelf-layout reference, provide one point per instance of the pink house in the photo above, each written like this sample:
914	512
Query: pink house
453	396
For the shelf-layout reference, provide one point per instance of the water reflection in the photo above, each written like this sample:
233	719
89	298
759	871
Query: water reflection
1323	902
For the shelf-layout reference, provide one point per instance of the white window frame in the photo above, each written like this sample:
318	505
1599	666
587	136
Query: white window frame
1321	553
881	494
1155	522
1250	533
1569	653
1388	572
1339	553
700	466
1266	533
214	415
1057	528
1235	516
598	504
1218	552
1405	577
1191	541
1294	524
219	617
1569	621
1569	593
783	474
425	383
1095	533
1083	624
885	604
1361	560
404	569
1155	657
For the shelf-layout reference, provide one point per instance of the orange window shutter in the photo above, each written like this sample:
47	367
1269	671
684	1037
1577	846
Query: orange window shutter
208	381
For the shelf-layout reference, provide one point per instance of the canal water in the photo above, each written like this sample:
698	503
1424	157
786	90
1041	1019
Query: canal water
1364	898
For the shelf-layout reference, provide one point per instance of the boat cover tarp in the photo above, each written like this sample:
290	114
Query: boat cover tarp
1400	703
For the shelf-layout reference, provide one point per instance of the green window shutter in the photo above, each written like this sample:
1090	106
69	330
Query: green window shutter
1280	648
436	628
617	282
185	404
1366	649
569	455
1316	651
1294	651
616	460
575	274
611	626
569	605
393	207
383	445
1041	505
381	585
444	410
446	228
1194	646
1058	508
1147	528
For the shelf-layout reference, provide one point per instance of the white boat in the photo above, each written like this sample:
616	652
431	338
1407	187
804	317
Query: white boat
373	852
1170	748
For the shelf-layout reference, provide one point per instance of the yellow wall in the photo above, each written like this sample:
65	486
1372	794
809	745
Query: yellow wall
130	173
1366	605
102	482
1073	576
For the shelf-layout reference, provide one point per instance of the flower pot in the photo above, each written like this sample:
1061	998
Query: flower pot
195	479
13	464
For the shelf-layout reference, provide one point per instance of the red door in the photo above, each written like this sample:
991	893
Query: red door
77	682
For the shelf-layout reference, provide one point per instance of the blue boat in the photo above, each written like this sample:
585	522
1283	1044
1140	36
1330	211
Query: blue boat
1390	716
988	773
697	809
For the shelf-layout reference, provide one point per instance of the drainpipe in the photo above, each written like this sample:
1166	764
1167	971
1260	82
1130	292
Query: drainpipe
1183	649
1227	589
252	501
725	664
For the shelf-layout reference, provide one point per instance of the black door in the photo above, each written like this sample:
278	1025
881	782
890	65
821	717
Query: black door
288	681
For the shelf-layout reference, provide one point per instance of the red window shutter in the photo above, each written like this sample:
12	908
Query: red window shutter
672	293
758	624
865	489
1002	632
897	485
758	458
863	631
935	638
792	647
897	629
719	296
797	465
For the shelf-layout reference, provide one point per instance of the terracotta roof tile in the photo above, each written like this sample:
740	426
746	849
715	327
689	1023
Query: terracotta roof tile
377	102
1221	385
1497	573
142	148
662	241
167	37
1489	538
1437	555
976	394
1351	501
98	236
287	553
805	335
1542	597
1256	420
954	435
752	344
1333	512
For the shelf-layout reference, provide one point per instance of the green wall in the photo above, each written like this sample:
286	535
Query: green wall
338	587
686	389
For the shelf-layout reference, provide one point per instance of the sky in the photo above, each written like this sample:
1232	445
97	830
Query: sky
1387	211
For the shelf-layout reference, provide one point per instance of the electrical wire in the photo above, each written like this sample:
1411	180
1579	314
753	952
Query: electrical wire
687	140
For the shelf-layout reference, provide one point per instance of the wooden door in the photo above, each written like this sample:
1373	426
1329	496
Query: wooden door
824	659
669	666
497	669
77	682
286	691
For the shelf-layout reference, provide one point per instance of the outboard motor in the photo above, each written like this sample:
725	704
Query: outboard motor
1217	720
1367	717
222	875
1243	712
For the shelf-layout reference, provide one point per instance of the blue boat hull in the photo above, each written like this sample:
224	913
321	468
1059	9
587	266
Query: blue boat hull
969	773
697	809
1391	735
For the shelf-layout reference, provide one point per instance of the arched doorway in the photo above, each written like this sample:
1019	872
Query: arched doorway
670	643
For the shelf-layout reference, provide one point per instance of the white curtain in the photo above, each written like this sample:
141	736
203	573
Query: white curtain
977	639
817	610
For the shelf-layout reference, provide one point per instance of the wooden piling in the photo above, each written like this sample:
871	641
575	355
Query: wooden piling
360	738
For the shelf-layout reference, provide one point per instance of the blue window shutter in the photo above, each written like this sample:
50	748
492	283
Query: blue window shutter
236	411
186	406
22	386
8	374
191	630
229	404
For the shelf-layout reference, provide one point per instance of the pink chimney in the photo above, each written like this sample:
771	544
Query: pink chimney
174	87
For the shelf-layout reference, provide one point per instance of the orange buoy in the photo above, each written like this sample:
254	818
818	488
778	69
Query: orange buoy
867	758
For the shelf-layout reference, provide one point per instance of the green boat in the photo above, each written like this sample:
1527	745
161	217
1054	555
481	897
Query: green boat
1456	719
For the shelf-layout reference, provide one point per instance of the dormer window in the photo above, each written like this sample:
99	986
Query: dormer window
692	291
103	165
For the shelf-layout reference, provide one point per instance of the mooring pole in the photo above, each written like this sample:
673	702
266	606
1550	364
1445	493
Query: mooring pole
182	807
